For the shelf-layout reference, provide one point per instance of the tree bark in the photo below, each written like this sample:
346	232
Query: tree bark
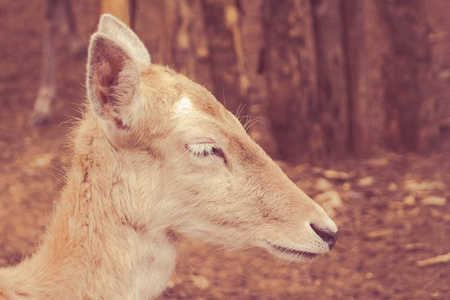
332	77
365	46
439	40
290	66
223	29
177	47
410	105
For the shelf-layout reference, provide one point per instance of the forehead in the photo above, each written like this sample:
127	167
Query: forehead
164	83
205	114
189	103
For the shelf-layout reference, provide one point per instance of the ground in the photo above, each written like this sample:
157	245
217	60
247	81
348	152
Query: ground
392	210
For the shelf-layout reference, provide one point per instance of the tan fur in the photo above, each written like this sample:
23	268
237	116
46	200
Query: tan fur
156	154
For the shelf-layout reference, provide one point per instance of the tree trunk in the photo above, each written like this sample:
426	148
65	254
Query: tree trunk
365	45
177	48
290	66
439	40
410	107
119	8
223	29
332	77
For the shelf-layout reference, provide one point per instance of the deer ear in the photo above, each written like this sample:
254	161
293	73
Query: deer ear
117	30
112	81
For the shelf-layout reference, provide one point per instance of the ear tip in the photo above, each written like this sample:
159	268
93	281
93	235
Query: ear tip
114	30
109	20
106	17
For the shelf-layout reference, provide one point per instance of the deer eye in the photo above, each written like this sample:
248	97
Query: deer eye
205	149
201	149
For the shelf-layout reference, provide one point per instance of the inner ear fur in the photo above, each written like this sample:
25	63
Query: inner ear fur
113	79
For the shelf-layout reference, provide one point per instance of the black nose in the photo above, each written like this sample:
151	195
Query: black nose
327	236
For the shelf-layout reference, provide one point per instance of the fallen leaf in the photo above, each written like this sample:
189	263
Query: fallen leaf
43	160
366	181
413	185
379	233
409	200
392	187
323	185
330	174
433	200
329	200
445	258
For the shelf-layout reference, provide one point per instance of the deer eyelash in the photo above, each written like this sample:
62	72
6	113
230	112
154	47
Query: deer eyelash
200	150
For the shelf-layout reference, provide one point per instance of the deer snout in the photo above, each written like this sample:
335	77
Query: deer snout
327	235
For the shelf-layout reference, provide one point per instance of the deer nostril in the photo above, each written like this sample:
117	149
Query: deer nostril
327	236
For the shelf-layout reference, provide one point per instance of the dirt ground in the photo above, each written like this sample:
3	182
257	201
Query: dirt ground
392	210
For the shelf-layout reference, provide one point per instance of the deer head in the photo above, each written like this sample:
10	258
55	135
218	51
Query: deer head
196	171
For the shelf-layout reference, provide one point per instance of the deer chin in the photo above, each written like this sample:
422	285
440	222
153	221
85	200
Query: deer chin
290	254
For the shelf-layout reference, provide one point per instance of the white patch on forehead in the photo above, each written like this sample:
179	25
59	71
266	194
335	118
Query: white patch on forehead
183	107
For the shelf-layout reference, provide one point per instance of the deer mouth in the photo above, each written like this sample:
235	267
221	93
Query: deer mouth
293	253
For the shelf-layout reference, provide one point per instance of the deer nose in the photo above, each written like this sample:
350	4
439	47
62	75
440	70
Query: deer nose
326	235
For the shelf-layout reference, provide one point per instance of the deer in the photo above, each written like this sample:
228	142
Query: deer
156	157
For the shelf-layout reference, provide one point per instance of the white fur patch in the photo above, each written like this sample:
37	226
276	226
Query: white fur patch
183	107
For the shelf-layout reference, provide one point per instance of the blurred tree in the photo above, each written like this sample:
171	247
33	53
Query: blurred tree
343	77
333	82
290	65
439	40
125	10
177	48
365	43
349	76
410	105
223	29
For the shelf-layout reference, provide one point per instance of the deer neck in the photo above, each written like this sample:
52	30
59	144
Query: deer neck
97	234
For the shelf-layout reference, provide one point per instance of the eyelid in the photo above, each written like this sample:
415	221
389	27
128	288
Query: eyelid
200	149
205	149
